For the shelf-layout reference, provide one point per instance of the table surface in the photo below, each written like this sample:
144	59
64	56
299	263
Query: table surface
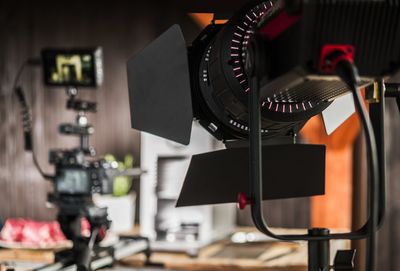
227	256
219	256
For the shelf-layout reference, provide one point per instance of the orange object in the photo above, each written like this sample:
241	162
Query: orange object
204	19
333	210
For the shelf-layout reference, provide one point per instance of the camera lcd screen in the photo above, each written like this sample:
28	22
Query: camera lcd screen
73	181
72	67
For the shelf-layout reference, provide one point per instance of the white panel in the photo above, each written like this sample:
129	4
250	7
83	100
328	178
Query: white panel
338	112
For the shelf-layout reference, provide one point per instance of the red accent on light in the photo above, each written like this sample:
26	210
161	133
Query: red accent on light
278	25
328	66
243	201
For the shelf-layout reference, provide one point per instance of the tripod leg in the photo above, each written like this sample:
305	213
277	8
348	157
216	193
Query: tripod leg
84	258
70	226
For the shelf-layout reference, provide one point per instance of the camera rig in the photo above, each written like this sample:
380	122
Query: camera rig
76	180
78	176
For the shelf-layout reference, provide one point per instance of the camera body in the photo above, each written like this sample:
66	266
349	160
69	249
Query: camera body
78	176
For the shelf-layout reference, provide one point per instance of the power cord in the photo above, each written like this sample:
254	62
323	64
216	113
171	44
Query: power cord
348	72
27	116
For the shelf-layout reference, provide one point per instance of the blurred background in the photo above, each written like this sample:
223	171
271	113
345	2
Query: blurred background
122	29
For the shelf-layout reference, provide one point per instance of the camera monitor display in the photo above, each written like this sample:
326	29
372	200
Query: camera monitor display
74	67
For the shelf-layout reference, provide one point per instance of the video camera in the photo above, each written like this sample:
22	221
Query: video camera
77	176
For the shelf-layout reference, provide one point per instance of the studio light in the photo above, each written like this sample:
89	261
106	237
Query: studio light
253	83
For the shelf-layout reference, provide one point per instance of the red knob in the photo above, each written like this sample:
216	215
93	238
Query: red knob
102	233
242	201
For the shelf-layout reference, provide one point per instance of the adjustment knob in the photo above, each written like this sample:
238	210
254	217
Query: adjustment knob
243	201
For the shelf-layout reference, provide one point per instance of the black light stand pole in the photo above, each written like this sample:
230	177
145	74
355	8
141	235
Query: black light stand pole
377	106
318	251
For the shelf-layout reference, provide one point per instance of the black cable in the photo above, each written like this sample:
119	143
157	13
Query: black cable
373	167
349	74
27	117
30	62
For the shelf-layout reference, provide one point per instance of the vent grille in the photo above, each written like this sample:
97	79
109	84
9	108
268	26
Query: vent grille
373	27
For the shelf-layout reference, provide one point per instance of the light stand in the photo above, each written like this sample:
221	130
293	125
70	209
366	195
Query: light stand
318	239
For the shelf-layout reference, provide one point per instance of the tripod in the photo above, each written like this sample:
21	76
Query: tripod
76	180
